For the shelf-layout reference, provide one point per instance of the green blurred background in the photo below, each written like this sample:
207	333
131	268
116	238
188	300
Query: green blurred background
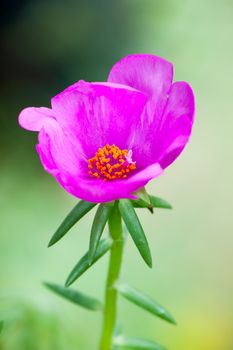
48	44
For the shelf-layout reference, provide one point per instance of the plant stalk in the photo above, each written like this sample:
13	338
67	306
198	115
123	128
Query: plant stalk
110	308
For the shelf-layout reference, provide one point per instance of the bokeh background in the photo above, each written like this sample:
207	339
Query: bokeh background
48	44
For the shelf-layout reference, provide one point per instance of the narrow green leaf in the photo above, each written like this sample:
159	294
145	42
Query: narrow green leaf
130	343
100	220
83	264
135	229
145	302
75	297
156	202
1	326
81	209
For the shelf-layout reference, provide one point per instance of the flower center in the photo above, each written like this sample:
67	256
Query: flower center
111	163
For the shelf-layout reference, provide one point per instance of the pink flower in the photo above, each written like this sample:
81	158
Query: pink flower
104	141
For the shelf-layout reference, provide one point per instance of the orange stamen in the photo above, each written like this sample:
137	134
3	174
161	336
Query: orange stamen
110	163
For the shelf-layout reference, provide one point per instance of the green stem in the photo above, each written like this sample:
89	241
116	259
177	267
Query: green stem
110	310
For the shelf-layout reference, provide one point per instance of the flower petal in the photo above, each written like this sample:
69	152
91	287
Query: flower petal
33	118
58	153
176	125
162	142
97	190
99	113
152	75
147	73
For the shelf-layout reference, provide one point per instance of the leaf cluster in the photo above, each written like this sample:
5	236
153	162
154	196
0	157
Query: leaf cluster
99	246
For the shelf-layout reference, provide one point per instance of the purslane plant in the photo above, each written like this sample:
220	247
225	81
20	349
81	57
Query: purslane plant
104	142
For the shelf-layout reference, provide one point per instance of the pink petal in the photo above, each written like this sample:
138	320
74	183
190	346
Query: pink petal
57	151
149	74
153	76
162	142
33	118
99	113
97	190
176	124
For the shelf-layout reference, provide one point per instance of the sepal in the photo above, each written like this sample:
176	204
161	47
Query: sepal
145	198
155	202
